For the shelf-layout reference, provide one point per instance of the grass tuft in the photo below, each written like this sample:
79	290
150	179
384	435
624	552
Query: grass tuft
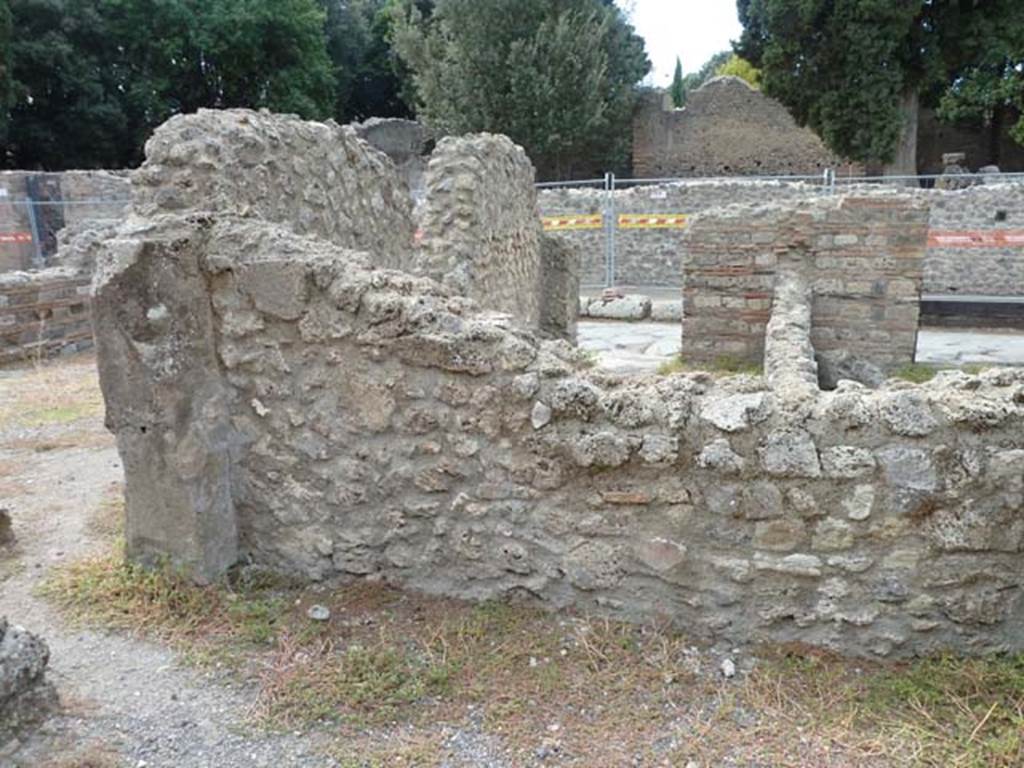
723	366
916	373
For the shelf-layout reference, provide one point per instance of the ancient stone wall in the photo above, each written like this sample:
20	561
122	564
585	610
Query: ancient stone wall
277	398
975	247
726	129
861	256
480	232
976	243
935	138
60	200
319	178
44	312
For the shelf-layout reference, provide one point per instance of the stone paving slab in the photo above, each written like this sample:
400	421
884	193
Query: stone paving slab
642	347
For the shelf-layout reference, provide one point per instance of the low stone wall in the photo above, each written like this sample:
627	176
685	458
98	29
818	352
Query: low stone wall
651	256
43	313
479	225
278	398
861	256
977	243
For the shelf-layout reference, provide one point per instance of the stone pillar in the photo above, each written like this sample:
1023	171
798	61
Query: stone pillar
560	288
167	403
789	364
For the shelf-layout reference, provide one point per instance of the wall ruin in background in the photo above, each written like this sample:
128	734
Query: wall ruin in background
278	398
975	247
726	129
862	257
66	199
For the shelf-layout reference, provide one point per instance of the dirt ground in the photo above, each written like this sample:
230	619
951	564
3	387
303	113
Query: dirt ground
445	684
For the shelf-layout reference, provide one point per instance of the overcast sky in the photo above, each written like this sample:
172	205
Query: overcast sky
693	30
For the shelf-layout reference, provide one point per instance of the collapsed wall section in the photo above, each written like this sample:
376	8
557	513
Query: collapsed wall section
354	421
861	256
480	232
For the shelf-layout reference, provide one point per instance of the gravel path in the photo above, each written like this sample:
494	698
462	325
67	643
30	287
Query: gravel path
119	694
127	702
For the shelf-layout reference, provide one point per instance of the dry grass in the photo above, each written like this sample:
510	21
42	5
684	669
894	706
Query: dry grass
107	521
721	366
592	692
89	756
58	392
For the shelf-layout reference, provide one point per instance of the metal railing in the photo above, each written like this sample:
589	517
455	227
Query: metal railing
35	223
829	181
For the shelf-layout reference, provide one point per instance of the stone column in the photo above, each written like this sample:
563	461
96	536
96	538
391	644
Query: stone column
167	402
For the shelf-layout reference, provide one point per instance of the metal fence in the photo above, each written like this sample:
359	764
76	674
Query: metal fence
610	221
29	228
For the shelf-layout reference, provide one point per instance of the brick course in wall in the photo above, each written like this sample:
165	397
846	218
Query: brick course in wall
44	312
862	257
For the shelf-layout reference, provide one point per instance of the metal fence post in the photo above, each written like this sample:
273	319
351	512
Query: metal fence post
38	260
611	225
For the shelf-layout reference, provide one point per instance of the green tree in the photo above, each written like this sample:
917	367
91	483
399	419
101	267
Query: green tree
677	91
708	69
991	90
367	83
67	110
558	77
741	68
92	78
6	81
855	70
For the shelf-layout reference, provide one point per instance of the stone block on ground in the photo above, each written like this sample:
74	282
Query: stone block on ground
26	697
628	307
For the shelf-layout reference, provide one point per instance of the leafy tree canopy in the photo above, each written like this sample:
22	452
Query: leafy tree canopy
558	76
92	78
845	67
6	82
741	68
708	69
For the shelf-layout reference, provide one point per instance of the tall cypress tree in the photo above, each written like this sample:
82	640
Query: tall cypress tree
677	90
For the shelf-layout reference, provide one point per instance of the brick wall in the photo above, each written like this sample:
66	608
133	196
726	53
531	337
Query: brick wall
44	312
863	258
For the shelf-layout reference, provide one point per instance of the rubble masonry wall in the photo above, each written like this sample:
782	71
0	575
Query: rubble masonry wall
43	313
279	400
479	225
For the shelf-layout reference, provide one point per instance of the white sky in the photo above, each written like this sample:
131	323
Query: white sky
693	30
